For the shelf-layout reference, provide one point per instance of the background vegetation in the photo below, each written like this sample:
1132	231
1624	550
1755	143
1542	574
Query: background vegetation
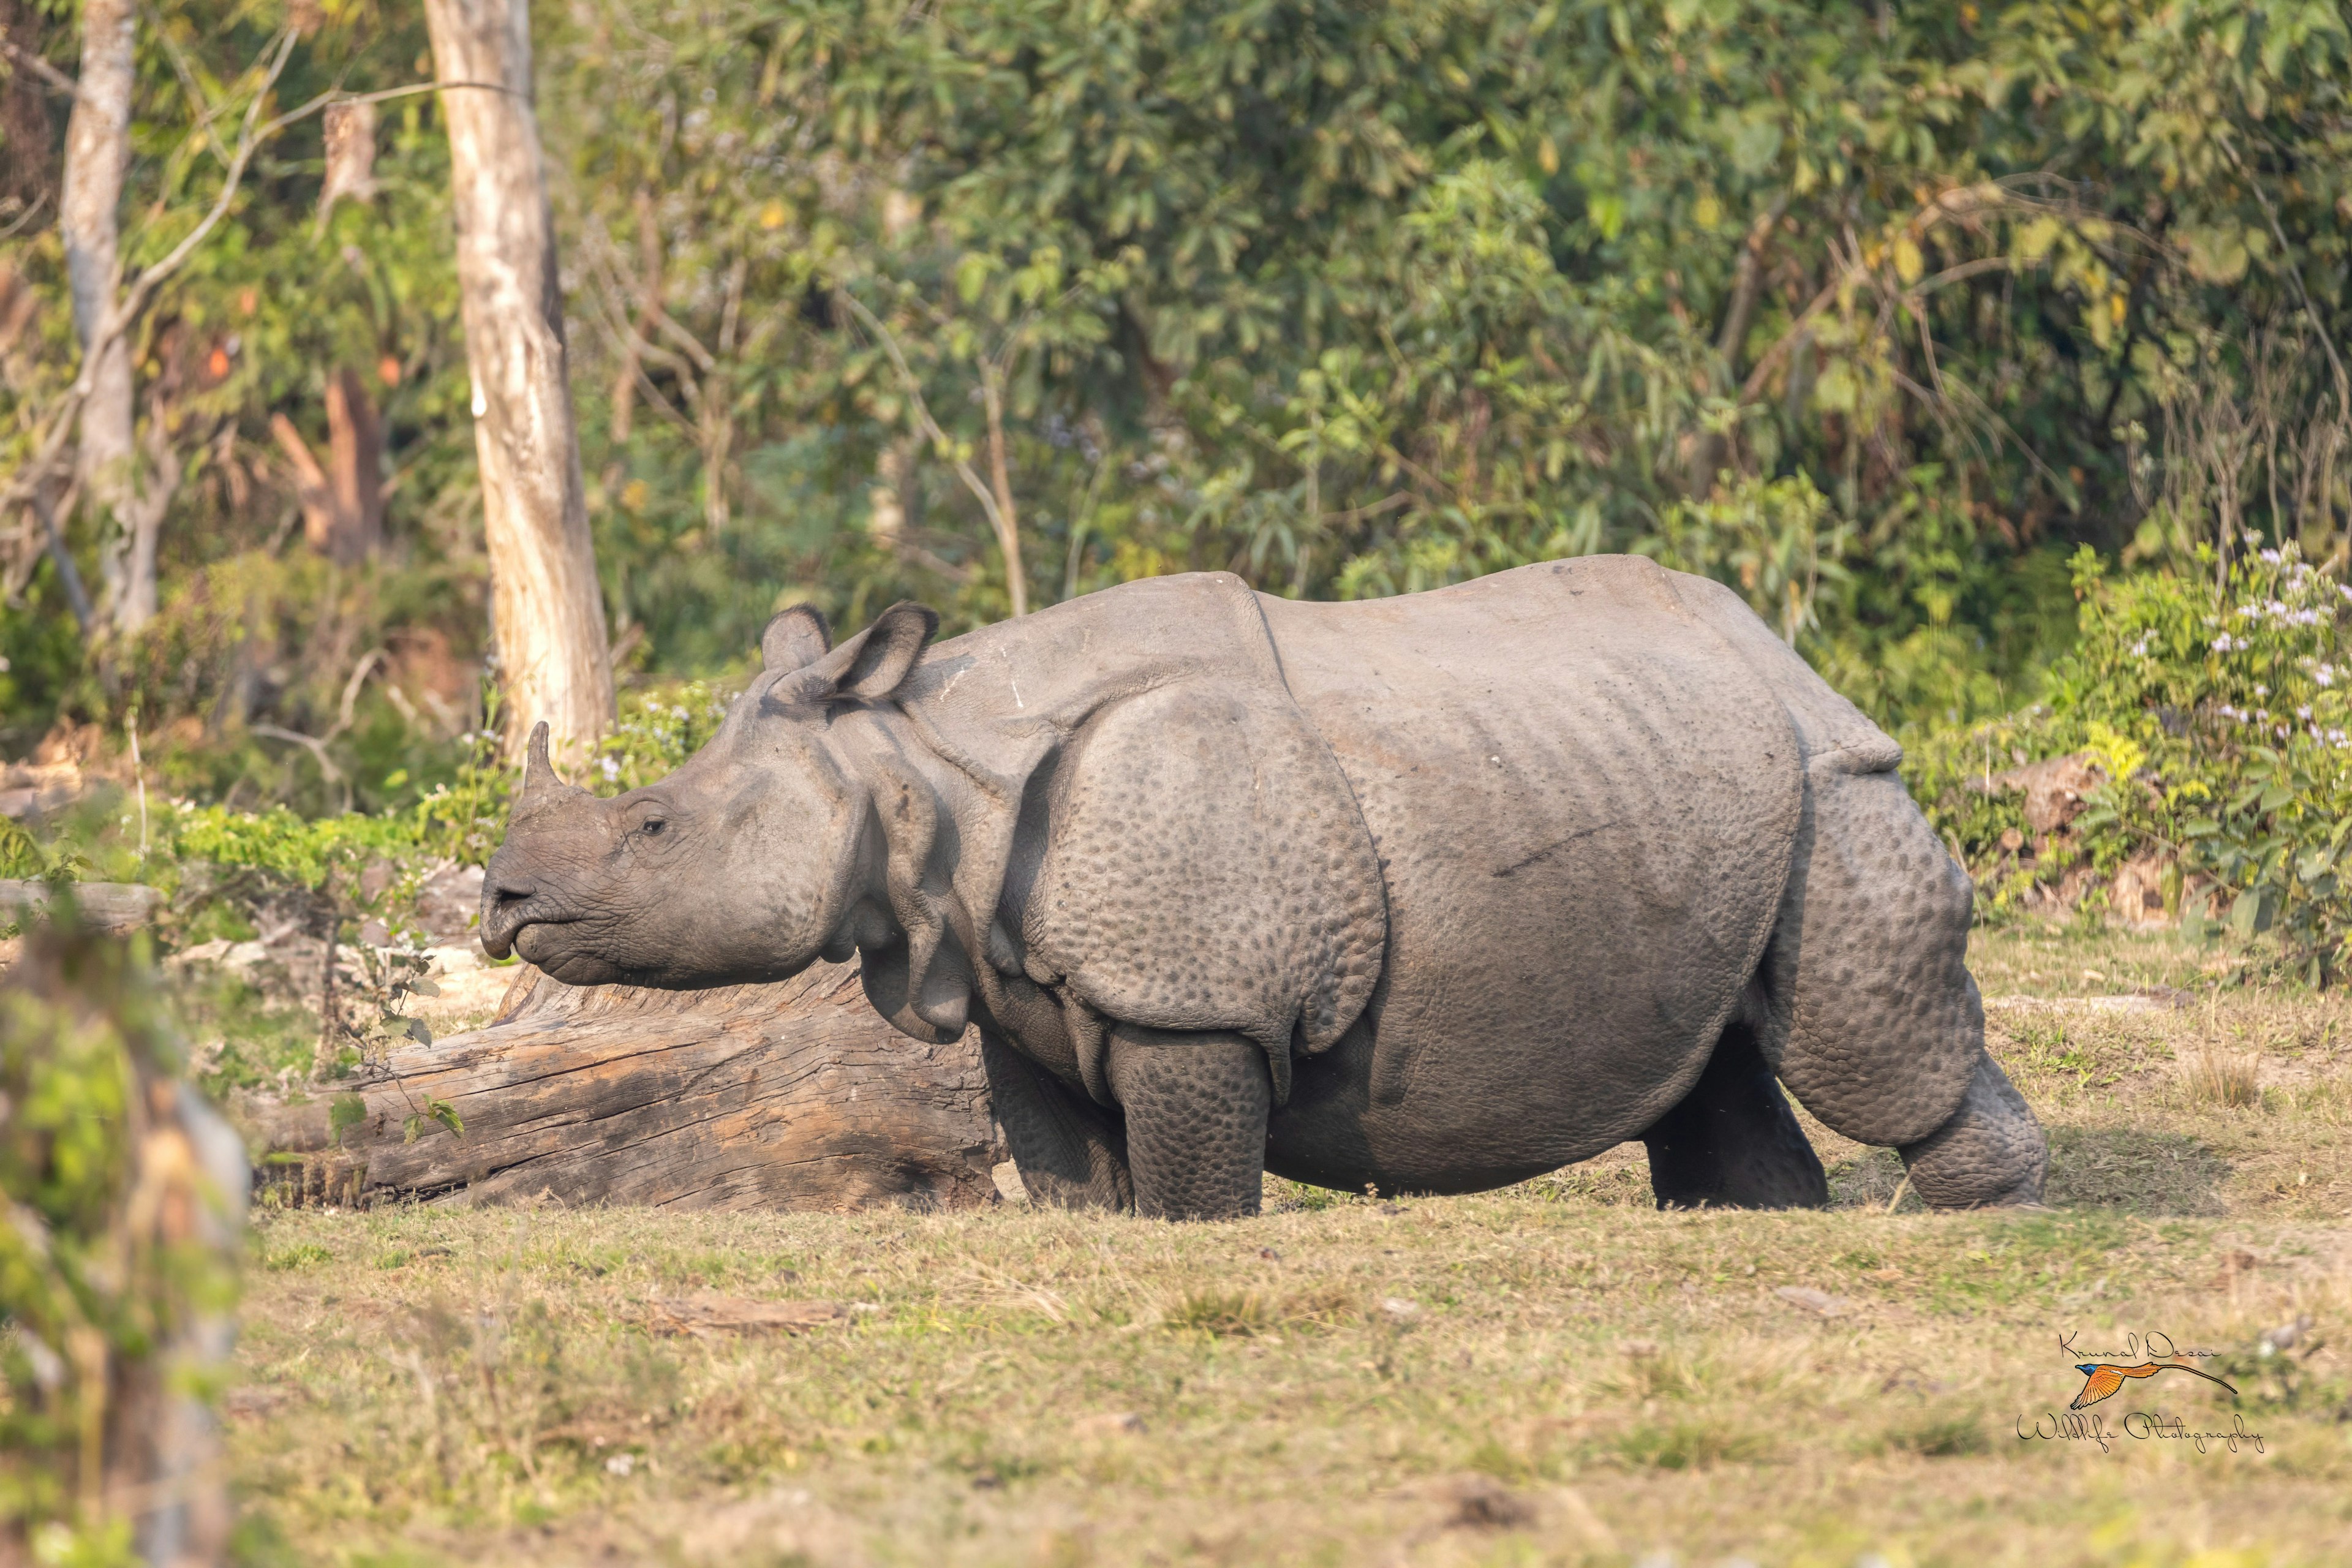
1879	315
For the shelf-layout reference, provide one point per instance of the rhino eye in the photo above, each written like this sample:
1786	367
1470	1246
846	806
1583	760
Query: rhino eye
653	826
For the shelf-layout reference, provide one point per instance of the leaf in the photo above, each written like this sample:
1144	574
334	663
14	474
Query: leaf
1908	263
2216	255
420	986
2036	238
344	1113
2252	911
972	274
436	1111
1607	211
1836	391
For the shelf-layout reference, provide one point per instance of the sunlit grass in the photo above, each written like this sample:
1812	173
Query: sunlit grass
1552	1374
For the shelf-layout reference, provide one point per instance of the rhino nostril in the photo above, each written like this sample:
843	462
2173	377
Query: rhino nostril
508	894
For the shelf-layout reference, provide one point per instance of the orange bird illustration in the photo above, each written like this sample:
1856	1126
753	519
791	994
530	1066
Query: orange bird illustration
2101	1380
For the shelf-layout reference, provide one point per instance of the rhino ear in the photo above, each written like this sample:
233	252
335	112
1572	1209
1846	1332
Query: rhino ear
870	666
794	639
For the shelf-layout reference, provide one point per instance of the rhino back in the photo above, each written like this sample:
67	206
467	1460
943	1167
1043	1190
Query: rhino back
1583	797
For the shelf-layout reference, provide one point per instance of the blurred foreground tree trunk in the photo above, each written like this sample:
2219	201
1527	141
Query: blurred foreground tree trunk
125	1195
547	608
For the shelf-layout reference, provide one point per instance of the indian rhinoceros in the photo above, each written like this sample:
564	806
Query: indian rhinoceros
1425	894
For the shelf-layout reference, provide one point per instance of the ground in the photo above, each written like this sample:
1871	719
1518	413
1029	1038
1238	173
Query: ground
1555	1373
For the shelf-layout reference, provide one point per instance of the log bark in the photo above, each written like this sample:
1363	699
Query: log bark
546	605
791	1096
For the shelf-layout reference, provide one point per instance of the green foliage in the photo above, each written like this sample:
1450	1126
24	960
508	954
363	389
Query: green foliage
1358	300
2220	719
1875	314
1766	539
1351	299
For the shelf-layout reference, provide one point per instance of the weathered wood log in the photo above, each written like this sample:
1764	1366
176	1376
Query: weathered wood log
110	907
791	1096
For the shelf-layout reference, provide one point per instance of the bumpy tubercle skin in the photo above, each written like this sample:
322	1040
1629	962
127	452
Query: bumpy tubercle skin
1427	894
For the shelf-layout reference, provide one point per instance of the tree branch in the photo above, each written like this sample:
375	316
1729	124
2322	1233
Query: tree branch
1746	277
939	437
131	303
2295	276
48	73
319	750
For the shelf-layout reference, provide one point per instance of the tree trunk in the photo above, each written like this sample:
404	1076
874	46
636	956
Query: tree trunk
313	493
98	156
354	450
546	607
792	1096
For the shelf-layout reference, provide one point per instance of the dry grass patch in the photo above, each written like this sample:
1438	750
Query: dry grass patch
1553	1374
2224	1078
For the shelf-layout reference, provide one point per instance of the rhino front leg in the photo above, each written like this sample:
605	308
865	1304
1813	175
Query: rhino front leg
1196	1110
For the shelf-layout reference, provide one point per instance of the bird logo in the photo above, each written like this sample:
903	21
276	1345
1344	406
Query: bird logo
2100	1381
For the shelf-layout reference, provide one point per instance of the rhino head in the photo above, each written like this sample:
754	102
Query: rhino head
755	858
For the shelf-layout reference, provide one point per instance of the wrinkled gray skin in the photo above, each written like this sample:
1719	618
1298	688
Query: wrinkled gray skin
1431	894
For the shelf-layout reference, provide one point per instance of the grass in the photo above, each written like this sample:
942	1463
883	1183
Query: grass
1556	1373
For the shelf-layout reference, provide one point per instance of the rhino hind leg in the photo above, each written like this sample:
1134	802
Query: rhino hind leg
1196	1108
1070	1152
1732	1141
1864	1006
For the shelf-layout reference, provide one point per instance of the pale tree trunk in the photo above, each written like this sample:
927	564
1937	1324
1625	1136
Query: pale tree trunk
97	156
546	606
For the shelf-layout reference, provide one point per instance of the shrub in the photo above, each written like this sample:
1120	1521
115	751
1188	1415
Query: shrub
2220	709
217	864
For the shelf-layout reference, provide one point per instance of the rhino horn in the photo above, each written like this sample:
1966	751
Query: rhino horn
540	787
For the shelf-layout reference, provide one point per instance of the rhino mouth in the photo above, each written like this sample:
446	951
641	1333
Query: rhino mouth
550	944
504	922
543	944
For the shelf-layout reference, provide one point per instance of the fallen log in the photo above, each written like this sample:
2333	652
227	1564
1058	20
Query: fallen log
113	908
788	1096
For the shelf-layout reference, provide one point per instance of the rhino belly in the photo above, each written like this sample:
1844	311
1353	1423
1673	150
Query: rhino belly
1583	802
